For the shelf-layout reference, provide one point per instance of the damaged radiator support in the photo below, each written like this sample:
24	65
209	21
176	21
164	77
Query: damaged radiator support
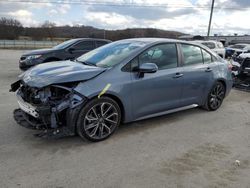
57	132
56	106
56	110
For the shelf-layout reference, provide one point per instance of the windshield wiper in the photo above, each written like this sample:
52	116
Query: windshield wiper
85	63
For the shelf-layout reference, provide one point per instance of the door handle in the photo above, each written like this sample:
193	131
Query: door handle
177	75
208	69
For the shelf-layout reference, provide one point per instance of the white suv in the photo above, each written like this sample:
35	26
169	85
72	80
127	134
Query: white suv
215	46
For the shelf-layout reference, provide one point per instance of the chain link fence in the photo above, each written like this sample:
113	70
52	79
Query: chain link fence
26	44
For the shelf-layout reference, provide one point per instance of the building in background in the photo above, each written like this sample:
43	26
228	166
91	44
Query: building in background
228	40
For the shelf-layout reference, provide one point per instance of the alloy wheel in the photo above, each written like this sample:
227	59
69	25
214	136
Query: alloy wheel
216	96
101	120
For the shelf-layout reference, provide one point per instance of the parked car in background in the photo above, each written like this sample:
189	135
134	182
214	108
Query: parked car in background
237	49
124	81
245	67
240	57
215	46
70	49
241	64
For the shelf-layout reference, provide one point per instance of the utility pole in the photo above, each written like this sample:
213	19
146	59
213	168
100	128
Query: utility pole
210	19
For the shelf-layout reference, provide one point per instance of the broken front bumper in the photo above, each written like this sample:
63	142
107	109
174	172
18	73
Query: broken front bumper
27	121
49	118
26	107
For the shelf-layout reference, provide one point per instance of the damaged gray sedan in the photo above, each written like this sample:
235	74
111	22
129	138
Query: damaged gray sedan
123	81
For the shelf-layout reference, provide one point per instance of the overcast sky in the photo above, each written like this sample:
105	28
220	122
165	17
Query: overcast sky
189	16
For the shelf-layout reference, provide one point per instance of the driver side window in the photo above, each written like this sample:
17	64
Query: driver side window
163	55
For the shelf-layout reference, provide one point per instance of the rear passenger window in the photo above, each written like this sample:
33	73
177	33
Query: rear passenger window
192	55
163	55
85	45
207	58
100	43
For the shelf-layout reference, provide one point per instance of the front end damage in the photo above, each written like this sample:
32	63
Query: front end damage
52	109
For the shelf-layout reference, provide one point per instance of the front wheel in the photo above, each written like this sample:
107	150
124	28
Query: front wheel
215	97
98	119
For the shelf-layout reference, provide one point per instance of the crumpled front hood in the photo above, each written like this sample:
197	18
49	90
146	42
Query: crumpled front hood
59	72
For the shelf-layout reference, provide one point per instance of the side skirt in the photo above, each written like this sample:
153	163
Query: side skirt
168	111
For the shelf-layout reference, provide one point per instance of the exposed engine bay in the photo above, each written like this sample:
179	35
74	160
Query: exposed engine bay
52	108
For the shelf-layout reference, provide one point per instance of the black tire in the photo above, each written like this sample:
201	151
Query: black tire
94	123
215	97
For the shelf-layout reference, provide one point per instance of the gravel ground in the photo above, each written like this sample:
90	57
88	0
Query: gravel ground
193	148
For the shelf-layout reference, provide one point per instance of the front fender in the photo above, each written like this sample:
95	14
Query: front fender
117	85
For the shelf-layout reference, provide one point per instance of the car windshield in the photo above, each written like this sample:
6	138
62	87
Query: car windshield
210	45
111	54
238	46
64	44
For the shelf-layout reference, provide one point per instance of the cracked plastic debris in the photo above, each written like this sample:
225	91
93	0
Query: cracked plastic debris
237	162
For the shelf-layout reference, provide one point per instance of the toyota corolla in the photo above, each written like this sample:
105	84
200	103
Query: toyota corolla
121	82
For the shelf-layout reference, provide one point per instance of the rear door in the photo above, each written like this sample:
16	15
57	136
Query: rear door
159	91
197	68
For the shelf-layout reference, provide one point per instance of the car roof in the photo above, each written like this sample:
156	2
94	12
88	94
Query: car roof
159	40
87	39
152	40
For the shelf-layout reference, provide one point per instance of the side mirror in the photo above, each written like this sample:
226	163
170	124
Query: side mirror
147	68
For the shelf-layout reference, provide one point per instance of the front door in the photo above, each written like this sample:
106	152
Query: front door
159	91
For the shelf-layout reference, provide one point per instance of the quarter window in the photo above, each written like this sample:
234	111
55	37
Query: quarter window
207	58
192	55
163	55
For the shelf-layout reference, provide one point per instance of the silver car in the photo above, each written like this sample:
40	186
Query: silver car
121	82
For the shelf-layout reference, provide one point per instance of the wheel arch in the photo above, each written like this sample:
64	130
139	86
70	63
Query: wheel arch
117	100
223	82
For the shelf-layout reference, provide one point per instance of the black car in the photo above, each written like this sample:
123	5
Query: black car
70	49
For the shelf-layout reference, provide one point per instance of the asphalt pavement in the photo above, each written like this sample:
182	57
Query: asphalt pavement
192	148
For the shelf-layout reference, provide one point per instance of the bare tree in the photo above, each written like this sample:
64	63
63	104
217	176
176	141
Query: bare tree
10	28
48	28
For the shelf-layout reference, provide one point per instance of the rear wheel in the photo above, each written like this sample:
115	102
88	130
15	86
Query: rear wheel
215	97
99	119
